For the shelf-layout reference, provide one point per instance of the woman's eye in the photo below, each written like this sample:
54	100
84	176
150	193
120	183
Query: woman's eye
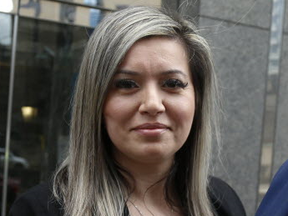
174	83
126	84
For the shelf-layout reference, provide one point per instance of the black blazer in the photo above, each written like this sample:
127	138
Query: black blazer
39	201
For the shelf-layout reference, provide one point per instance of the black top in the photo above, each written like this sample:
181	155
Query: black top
39	201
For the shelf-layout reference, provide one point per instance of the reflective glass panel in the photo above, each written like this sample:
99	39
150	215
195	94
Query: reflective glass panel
9	6
117	4
6	26
63	13
47	62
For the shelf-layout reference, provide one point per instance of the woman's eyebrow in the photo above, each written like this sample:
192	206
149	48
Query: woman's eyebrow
128	72
168	72
174	71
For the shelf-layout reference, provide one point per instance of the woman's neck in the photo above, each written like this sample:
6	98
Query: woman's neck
148	179
148	189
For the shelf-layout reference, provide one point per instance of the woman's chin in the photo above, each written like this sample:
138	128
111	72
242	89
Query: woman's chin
154	156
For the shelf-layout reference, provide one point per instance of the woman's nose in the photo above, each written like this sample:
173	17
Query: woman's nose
151	102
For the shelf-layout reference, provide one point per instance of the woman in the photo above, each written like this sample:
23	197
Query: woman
141	125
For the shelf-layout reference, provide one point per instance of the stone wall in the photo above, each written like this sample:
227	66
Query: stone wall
239	34
240	55
281	142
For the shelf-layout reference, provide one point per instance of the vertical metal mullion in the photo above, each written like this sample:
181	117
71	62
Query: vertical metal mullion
9	113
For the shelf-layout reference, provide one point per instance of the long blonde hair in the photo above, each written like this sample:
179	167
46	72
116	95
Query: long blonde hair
89	181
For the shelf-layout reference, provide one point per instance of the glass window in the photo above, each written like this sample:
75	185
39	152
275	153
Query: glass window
116	4
61	13
6	26
47	62
5	59
9	6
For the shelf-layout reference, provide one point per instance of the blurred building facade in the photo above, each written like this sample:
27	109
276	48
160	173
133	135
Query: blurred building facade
41	44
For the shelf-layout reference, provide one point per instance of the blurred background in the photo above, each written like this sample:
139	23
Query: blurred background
41	44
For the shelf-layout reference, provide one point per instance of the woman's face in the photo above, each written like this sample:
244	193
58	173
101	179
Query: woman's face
150	105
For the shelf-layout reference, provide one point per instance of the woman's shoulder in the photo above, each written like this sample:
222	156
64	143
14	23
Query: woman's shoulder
224	199
38	200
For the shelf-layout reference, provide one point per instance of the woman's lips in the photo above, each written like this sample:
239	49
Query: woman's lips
151	129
